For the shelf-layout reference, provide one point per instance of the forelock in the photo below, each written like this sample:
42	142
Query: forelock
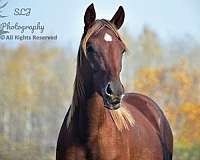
99	24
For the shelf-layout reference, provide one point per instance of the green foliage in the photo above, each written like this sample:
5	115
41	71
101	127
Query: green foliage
191	153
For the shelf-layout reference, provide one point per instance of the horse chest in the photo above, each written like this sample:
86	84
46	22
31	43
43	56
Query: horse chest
107	144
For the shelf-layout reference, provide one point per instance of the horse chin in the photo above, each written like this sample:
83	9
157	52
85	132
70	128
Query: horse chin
111	106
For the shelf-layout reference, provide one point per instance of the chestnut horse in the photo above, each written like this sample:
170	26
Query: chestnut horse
104	123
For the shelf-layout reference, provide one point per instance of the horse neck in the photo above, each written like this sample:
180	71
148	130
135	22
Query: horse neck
83	84
88	103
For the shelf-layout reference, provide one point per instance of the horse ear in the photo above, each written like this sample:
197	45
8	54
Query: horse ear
118	18
90	16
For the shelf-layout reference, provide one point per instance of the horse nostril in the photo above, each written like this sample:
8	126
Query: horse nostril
108	90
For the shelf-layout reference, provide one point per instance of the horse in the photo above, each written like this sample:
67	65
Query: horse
103	122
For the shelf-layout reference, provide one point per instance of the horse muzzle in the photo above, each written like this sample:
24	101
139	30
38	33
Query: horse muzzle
113	94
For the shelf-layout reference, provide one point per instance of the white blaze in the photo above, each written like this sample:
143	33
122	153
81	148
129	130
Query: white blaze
107	37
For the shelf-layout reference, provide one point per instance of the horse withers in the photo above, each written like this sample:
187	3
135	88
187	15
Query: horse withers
103	122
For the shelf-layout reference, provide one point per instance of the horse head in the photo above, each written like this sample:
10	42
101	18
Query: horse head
104	49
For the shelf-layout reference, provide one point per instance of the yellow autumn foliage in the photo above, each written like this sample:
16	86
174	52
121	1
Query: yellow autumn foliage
177	89
148	78
183	78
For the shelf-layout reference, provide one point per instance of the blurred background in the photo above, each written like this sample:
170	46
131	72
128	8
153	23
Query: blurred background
36	77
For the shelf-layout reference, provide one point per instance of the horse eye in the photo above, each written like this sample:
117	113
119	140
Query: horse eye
90	48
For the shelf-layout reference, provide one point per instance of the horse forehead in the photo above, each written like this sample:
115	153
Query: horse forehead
106	35
105	38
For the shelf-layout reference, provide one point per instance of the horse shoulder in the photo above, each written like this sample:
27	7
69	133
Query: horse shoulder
153	113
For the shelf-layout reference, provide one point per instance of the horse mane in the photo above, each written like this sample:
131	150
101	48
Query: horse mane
122	116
